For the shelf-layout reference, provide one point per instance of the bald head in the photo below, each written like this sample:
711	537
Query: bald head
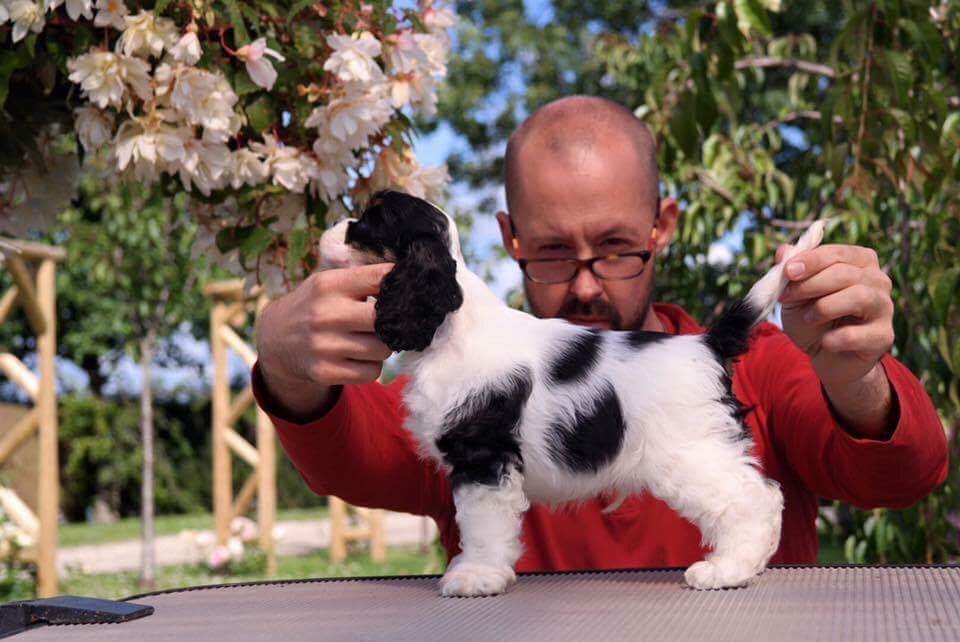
571	131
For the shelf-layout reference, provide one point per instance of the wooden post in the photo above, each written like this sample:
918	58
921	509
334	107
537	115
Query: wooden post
266	478
48	501
337	510
37	296
230	309
222	477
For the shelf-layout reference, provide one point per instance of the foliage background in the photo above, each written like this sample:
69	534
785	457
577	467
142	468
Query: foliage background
768	115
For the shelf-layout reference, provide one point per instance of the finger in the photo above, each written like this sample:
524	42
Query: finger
345	371
832	279
872	339
858	301
361	282
359	346
780	252
344	315
806	264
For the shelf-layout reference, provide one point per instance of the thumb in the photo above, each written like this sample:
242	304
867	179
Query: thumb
781	251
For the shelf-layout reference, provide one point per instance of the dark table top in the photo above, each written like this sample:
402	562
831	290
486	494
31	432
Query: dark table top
786	603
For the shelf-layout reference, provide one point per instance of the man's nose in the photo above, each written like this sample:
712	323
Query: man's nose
586	286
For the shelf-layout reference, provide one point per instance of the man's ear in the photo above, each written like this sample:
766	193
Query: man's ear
506	231
416	296
666	223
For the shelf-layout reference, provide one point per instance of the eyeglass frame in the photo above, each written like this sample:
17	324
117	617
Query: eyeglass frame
646	255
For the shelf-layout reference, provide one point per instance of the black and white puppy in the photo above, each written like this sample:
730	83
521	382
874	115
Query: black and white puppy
520	409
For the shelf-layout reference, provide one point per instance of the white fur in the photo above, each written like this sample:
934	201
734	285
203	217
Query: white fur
681	444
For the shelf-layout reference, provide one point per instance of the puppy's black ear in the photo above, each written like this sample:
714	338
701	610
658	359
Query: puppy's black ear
416	296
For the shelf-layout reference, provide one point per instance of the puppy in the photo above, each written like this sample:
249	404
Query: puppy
519	409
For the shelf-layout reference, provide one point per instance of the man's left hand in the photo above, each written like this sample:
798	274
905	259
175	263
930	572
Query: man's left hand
838	309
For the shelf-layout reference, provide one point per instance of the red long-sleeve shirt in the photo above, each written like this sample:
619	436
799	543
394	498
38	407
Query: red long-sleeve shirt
360	452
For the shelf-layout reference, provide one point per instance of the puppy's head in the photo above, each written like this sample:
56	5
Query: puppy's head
421	289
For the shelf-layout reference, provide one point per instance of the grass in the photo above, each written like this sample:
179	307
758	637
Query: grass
405	560
129	528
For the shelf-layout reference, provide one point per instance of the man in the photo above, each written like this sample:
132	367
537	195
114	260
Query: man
833	414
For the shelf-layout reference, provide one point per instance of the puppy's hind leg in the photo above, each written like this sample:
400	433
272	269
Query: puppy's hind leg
490	519
715	485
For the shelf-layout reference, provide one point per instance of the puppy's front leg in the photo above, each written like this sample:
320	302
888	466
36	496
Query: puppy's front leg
490	519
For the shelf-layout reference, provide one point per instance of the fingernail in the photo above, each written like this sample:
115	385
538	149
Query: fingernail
810	316
795	269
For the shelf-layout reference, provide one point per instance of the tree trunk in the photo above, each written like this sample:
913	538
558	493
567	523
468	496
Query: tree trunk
148	563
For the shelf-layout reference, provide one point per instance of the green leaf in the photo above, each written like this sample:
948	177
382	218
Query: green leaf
160	6
10	61
298	244
256	242
683	125
943	293
240	37
260	113
242	84
752	15
297	7
899	67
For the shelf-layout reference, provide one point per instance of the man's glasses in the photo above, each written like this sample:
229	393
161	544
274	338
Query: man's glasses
611	267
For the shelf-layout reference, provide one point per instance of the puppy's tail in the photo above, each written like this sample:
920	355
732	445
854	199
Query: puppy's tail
728	336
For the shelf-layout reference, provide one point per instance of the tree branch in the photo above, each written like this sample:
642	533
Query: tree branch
788	63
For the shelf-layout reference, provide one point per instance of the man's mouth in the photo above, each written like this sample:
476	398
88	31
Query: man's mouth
593	322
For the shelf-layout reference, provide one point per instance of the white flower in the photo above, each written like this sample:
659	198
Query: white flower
111	13
260	69
353	118
284	163
404	54
98	74
416	89
204	165
149	144
27	16
439	21
145	34
187	50
94	127
428	182
4	13
401	171
330	177
248	169
206	98
76	8
235	547
136	74
353	57
435	50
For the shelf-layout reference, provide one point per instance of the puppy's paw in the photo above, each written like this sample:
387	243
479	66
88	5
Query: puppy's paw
468	579
717	575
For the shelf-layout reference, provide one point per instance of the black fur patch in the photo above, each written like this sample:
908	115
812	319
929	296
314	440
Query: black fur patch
480	441
577	358
593	440
641	338
421	289
728	337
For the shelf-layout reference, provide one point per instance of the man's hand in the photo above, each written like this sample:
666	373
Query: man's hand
321	335
838	310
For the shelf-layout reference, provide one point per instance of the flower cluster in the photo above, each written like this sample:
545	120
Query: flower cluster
272	132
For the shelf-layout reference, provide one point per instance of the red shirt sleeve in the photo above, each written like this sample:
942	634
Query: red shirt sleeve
893	473
360	452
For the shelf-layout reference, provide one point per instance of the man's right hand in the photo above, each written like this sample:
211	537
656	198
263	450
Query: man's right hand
319	336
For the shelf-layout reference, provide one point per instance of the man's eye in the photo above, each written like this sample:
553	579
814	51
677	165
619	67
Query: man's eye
615	243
